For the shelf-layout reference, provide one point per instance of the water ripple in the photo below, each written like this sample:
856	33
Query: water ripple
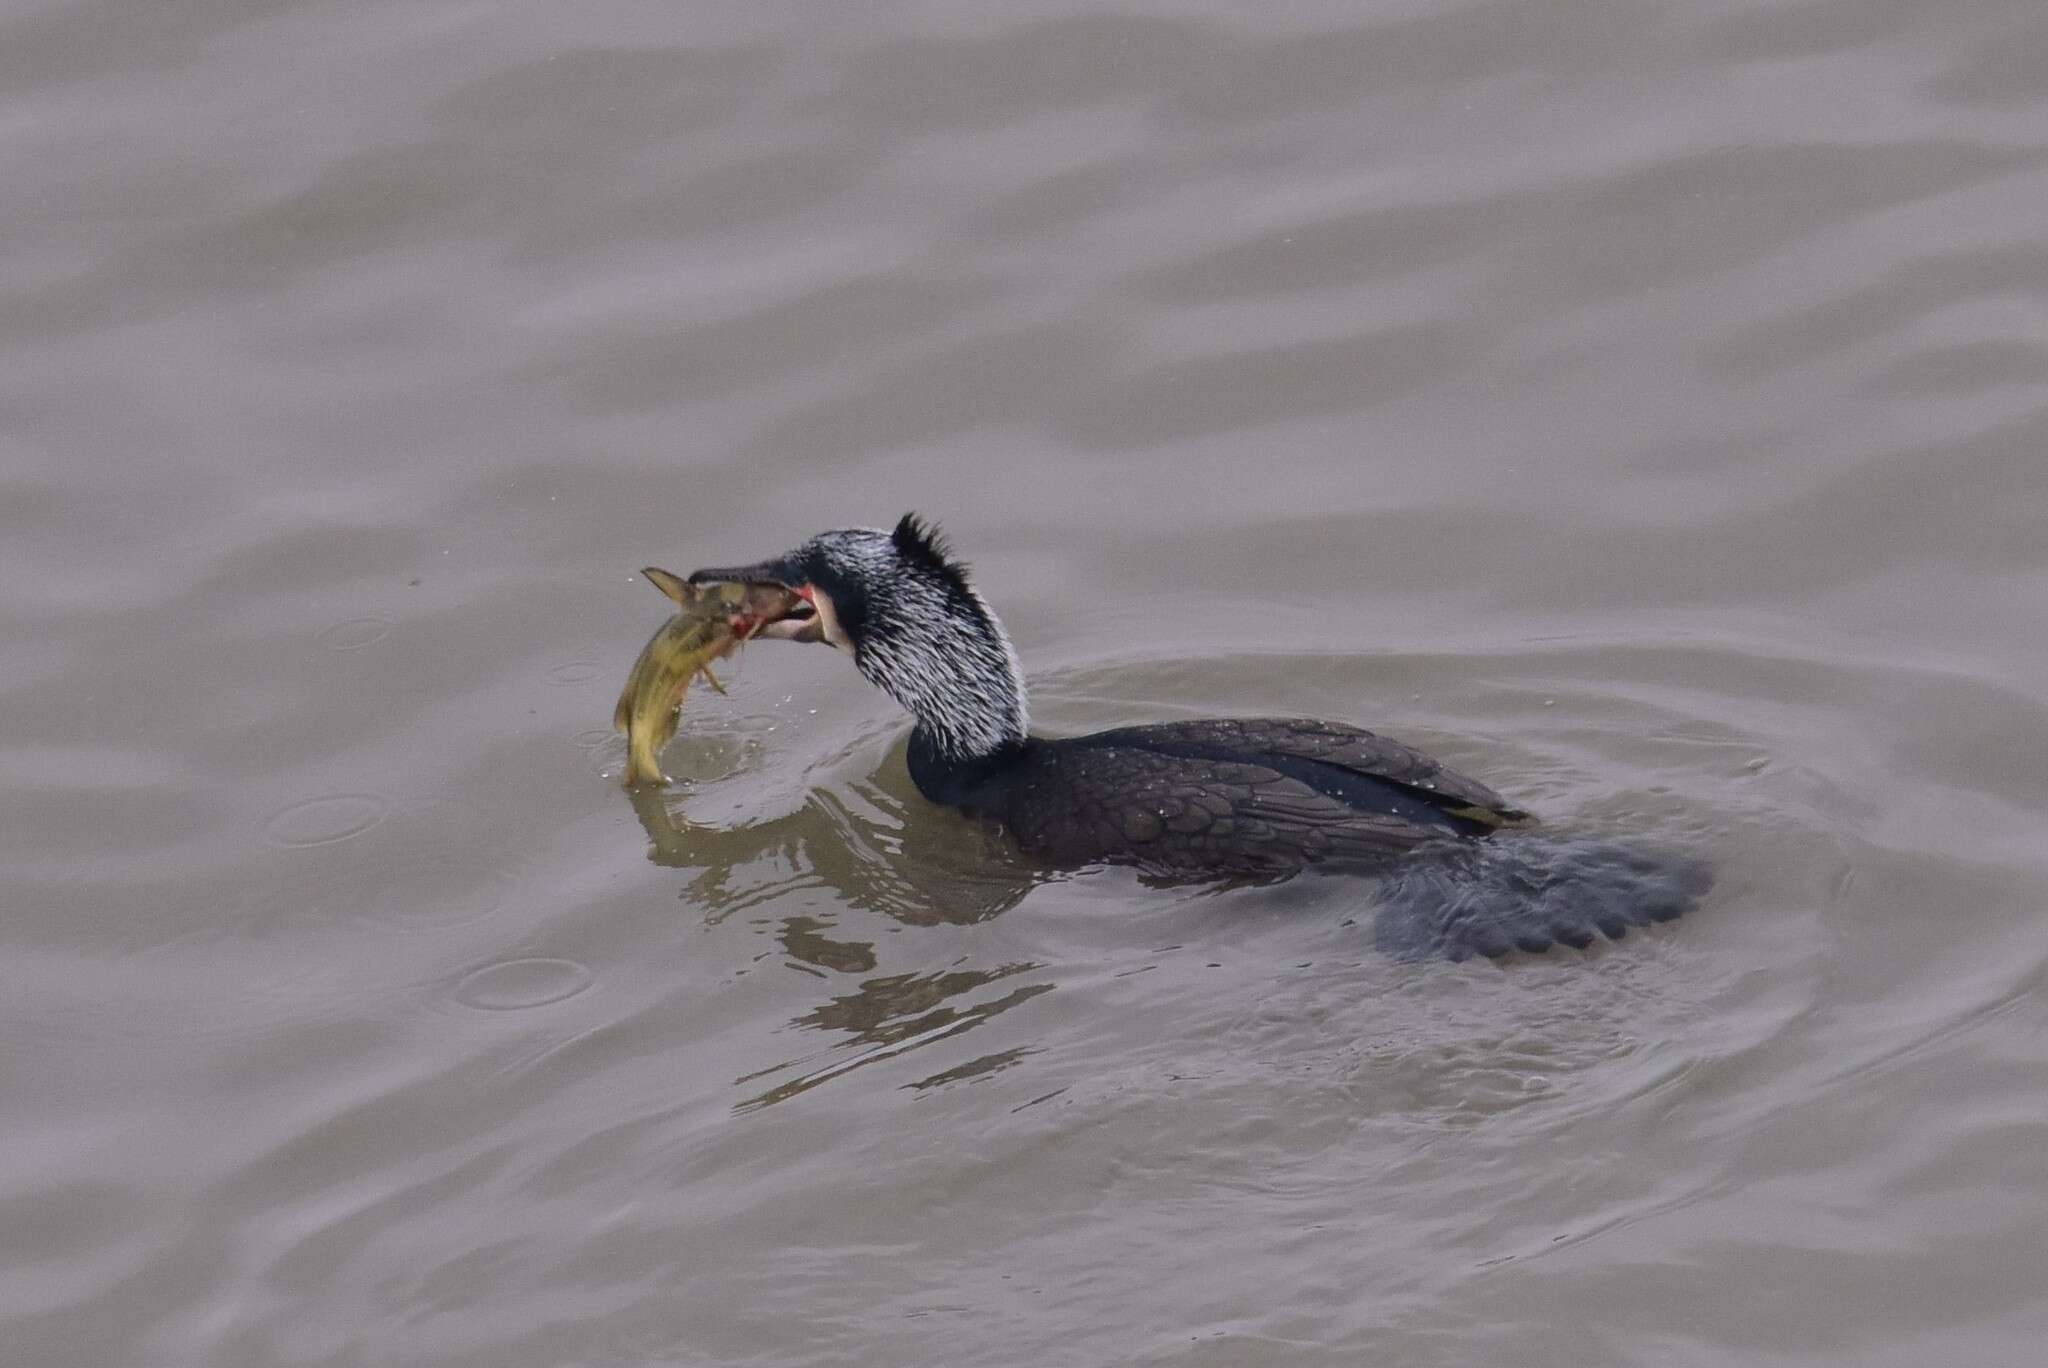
325	820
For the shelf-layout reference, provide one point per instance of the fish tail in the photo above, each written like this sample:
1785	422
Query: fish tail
643	766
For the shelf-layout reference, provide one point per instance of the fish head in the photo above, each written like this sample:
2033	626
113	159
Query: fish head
788	597
748	606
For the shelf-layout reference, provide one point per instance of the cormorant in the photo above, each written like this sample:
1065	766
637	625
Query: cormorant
1228	797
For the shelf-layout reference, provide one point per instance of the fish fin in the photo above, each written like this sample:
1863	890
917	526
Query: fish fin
675	586
711	679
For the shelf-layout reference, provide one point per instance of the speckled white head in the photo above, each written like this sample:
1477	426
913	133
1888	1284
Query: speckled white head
902	607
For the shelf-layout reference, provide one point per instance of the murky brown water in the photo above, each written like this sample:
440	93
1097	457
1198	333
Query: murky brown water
1645	405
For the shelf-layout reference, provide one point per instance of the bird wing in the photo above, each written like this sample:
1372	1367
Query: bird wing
1344	748
1189	813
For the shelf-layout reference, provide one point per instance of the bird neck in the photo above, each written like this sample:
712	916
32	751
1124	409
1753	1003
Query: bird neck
955	672
951	780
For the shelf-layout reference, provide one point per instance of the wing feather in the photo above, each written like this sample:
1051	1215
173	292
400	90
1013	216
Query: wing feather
1165	811
1344	748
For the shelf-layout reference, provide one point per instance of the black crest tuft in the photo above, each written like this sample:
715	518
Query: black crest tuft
921	543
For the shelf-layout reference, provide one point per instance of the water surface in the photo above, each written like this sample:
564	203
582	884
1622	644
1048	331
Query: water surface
1642	405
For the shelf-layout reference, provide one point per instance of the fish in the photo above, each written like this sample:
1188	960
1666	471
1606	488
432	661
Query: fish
711	621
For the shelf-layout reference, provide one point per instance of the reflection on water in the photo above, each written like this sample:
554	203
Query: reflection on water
804	941
1641	407
935	868
888	1011
919	870
892	1016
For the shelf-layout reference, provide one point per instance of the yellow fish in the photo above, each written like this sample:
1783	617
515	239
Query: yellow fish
711	621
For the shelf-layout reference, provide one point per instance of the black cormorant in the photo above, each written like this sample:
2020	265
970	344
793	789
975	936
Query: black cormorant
1227	797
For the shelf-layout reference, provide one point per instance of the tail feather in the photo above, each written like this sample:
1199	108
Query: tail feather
1530	892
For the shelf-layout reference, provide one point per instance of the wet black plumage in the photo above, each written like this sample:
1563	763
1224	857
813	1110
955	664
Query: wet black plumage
1227	797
